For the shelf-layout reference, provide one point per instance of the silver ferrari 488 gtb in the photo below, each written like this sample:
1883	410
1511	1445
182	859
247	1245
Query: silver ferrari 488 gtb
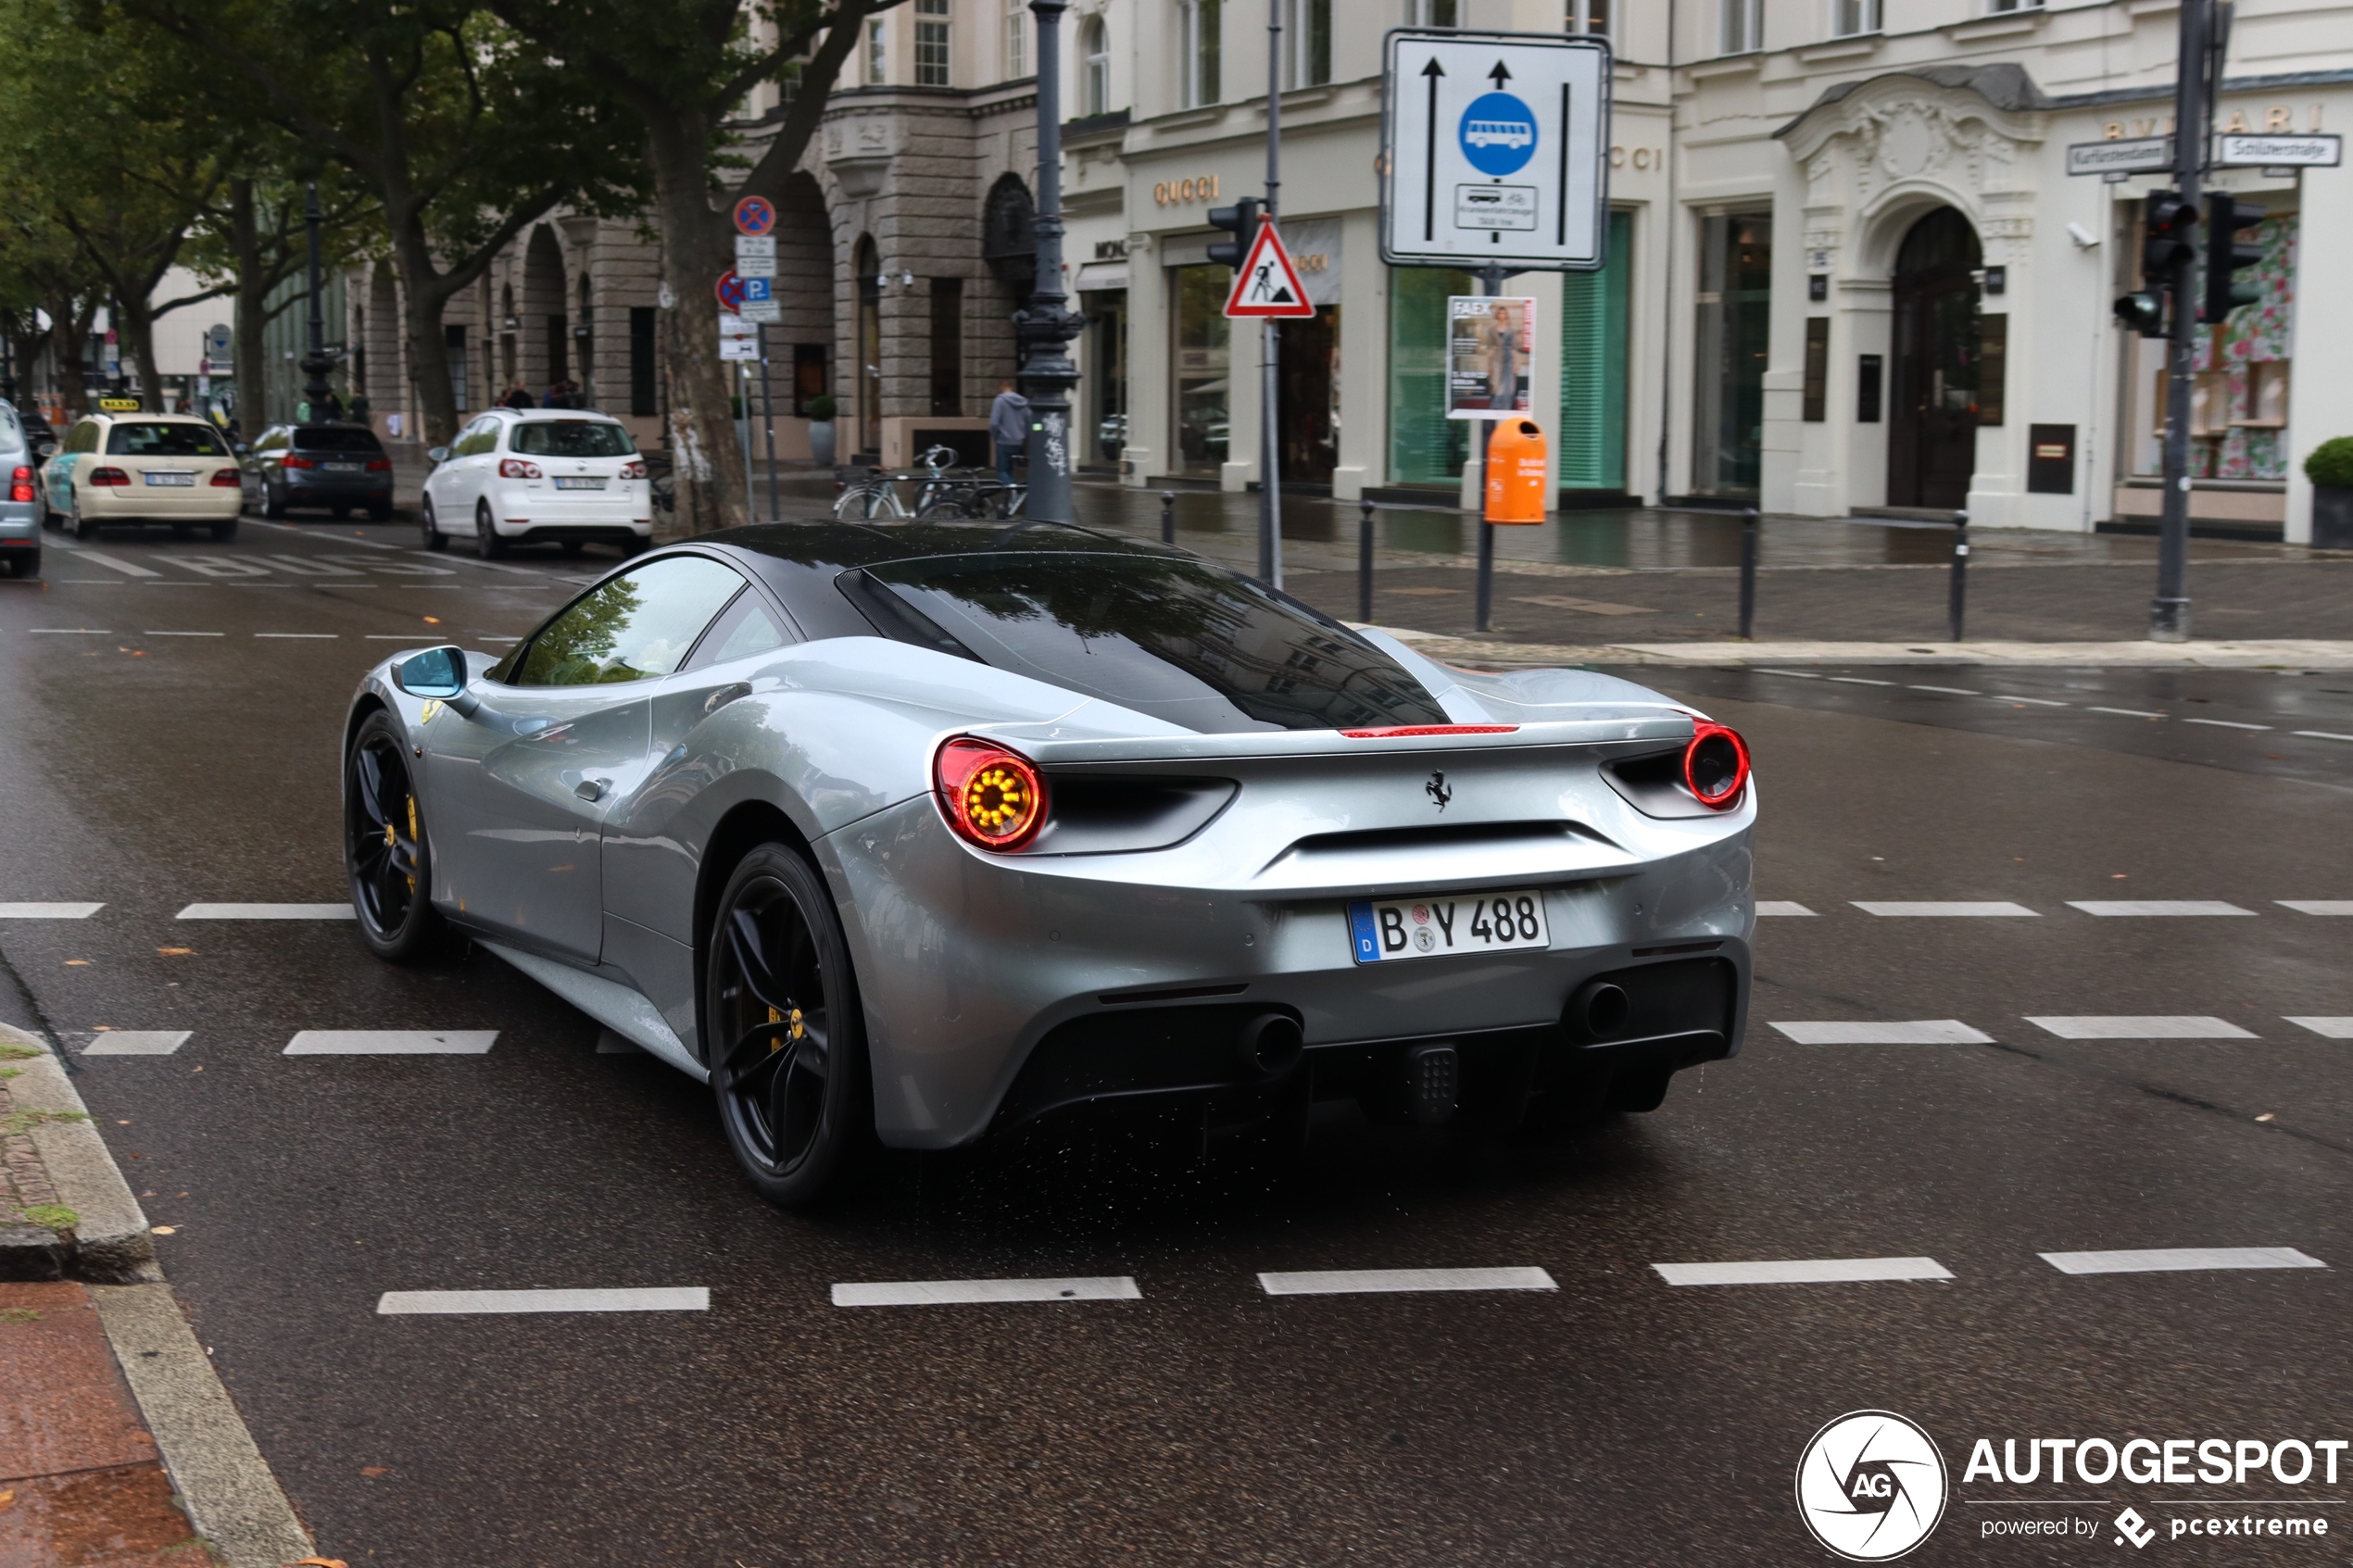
917	833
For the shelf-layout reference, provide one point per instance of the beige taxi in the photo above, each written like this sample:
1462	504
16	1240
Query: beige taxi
173	471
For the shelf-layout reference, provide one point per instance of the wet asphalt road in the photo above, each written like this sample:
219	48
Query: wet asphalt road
1617	1419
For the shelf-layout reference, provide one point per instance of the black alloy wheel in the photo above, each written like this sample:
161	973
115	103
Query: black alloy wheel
435	538
784	1031
385	852
487	544
273	502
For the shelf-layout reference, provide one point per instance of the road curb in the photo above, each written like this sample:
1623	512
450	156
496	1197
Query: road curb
109	1243
231	1496
2278	653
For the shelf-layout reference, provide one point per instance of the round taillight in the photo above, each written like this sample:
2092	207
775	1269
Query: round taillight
991	796
1716	765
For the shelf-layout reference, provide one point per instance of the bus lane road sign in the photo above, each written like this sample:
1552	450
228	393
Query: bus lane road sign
1494	150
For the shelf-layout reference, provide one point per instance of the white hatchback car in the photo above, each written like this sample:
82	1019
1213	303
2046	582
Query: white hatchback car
519	476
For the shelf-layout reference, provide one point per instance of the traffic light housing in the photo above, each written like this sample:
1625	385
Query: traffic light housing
2143	312
2169	235
1240	220
2227	252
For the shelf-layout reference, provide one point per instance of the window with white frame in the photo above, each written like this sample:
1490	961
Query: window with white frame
1433	13
1094	47
931	43
1016	38
1310	27
2004	7
1741	26
1588	17
1200	23
1850	17
877	58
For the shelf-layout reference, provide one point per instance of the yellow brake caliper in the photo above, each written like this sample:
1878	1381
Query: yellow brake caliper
800	1029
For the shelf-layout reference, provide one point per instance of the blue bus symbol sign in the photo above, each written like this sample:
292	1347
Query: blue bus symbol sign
1498	134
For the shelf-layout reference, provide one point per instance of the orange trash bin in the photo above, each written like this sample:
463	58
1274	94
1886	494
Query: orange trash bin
1516	473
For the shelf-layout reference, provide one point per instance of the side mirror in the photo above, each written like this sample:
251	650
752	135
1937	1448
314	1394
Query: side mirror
436	674
239	448
436	455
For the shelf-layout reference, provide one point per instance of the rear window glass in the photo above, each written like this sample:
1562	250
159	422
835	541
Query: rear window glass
570	438
1181	640
142	440
335	438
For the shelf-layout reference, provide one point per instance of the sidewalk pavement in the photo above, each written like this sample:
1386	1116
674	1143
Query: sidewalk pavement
119	1445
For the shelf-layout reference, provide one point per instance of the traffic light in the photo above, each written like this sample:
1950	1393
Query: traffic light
2226	252
1242	220
2169	230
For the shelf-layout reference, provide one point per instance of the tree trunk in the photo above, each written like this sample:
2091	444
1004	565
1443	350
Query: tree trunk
712	485
251	310
424	294
136	331
71	320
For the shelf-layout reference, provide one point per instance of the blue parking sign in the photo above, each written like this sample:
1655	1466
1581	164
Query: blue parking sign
759	291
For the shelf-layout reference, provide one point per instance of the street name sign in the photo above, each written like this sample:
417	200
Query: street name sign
2279	152
1268	284
2135	154
1495	149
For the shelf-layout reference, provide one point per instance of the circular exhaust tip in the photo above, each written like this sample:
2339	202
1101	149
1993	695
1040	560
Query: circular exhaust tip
1271	1044
1602	1008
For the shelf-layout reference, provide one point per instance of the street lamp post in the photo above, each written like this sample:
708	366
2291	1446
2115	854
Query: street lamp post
315	363
1044	327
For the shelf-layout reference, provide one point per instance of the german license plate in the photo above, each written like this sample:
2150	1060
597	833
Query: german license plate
567	482
1381	931
343	468
154	478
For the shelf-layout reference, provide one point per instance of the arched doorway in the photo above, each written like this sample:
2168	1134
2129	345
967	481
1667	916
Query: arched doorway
868	262
545	331
1932	441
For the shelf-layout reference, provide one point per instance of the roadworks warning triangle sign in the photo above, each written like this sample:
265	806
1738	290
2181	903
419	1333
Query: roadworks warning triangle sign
1268	284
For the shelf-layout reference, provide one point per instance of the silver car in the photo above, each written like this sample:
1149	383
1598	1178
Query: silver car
920	832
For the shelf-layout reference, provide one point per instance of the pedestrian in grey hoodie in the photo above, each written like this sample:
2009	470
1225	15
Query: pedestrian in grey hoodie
1008	427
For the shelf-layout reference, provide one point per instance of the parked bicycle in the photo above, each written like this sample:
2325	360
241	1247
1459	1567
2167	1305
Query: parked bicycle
869	496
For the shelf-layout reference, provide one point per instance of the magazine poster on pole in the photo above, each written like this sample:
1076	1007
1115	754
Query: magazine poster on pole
1490	355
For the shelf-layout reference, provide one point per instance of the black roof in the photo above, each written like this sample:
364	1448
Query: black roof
843	545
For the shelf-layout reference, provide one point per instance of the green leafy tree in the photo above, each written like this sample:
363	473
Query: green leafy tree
684	68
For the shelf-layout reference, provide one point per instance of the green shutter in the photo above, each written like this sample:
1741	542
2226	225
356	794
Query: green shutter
1592	441
1425	446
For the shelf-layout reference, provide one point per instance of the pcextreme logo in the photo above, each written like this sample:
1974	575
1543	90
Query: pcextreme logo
1871	1485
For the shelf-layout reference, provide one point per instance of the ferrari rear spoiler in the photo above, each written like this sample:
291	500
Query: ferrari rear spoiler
1613	723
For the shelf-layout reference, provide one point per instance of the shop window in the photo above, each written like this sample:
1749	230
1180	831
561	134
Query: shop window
808	376
2239	401
1735	320
1594	310
1425	446
1200	367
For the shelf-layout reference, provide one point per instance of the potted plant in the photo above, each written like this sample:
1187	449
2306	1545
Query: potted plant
821	430
2330	467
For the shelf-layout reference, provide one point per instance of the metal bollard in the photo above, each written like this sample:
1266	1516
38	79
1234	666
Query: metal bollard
1364	562
1168	516
1748	572
1960	571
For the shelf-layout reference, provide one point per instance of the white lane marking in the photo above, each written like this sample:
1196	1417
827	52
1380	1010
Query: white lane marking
267	911
300	637
49	911
1856	681
137	1042
1780	907
2126	712
69	631
2317	906
392	637
2033	701
2133	907
1949	691
1366	1282
2226	724
290	528
302	566
2321	734
183	633
610	1044
2159	1026
968	1292
1916	1032
126	568
390	1042
643	1298
1943	911
2168	1260
2327	1028
1793	674
1803	1271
